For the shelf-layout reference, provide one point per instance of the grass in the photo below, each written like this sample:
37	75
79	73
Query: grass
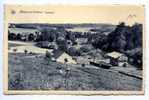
22	46
31	72
13	45
36	73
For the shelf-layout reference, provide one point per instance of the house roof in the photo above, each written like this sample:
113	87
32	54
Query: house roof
57	53
114	54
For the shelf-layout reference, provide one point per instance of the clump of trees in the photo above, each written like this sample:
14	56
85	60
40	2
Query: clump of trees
62	44
136	56
73	51
121	39
124	38
48	35
12	36
86	48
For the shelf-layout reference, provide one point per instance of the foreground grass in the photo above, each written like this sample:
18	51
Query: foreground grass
27	72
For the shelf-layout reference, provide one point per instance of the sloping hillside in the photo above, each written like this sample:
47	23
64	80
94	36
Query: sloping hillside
35	73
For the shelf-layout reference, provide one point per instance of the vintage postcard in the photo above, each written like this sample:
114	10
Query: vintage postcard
74	49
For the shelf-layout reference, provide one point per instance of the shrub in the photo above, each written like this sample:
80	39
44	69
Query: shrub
25	51
86	48
48	54
83	65
31	53
15	50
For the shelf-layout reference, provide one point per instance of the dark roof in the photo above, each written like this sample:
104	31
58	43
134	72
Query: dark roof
57	53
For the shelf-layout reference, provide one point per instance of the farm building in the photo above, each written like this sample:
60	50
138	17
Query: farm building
117	59
63	57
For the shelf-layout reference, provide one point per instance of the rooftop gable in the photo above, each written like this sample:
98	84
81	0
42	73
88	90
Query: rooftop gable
57	53
114	54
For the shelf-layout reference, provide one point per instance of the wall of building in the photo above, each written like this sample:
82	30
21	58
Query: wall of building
64	56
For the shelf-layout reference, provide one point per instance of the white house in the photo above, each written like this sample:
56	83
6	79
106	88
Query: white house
117	59
63	57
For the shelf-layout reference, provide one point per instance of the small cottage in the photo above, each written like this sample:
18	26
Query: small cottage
117	59
63	57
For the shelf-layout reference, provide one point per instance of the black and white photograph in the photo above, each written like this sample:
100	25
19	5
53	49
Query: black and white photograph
85	56
75	57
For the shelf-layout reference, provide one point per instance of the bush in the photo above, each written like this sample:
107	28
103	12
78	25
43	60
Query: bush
15	50
62	44
86	48
72	51
48	54
83	65
25	51
18	36
12	36
31	53
31	37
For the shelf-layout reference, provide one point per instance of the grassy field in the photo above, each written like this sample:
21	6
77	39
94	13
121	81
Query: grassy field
22	30
27	72
34	72
29	46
